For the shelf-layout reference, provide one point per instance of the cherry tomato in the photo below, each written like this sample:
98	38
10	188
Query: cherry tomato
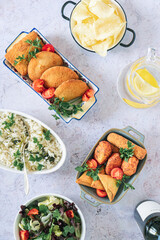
70	214
85	98
90	93
48	93
117	173
24	235
38	85
92	163
33	211
101	193
48	48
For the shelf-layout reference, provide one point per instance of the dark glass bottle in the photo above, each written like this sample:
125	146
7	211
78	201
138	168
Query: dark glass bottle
147	215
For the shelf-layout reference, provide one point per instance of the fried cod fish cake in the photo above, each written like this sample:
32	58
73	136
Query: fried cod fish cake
55	76
113	162
19	49
129	168
71	89
44	60
102	152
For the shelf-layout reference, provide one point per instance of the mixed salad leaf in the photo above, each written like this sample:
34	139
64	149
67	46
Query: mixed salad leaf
51	219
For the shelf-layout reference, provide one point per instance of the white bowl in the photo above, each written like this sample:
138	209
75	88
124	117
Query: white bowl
18	217
59	164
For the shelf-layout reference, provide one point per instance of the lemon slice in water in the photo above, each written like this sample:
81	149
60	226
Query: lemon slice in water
144	83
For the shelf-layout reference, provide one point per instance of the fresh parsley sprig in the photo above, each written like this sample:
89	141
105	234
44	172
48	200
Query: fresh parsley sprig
35	140
90	172
17	162
123	181
66	109
36	44
126	153
9	123
46	134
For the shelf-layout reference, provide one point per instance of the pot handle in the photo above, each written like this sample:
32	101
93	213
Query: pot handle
94	204
141	137
63	7
133	38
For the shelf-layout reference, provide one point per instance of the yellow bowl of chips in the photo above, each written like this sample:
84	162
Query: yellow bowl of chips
98	25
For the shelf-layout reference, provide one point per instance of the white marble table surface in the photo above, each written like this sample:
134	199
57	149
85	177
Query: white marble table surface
105	222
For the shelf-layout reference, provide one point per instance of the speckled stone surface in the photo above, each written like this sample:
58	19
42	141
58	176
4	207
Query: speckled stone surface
105	222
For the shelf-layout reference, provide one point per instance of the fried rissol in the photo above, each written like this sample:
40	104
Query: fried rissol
19	49
129	168
71	89
102	152
121	142
55	76
113	162
43	61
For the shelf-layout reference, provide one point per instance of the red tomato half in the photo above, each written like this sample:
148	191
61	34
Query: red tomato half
70	214
48	93
24	235
92	163
117	173
101	193
48	48
85	98
90	93
38	85
33	211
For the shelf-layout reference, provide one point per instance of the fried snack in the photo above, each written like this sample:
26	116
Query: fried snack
109	185
19	49
113	162
102	152
97	184
129	168
84	180
42	62
114	149
121	142
55	76
71	89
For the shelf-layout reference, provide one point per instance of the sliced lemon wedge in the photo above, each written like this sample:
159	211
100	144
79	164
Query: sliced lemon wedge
147	77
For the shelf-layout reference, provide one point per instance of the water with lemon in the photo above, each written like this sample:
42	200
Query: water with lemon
143	81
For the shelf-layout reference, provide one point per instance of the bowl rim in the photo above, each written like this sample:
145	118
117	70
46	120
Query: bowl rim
125	15
64	153
83	224
135	176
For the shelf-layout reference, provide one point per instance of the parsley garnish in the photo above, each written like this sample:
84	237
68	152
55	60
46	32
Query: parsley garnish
126	153
35	140
35	159
37	47
66	109
46	134
17	162
126	185
90	172
68	229
10	122
40	166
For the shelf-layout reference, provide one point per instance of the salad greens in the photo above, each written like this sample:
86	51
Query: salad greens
49	220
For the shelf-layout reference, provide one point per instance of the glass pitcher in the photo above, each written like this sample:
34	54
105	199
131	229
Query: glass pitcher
142	81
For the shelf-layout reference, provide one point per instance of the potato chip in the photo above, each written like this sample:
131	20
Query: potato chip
81	13
102	10
102	47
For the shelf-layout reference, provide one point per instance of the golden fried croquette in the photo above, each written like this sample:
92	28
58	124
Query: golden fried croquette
121	142
55	76
42	62
129	168
114	148
113	162
71	89
19	49
102	152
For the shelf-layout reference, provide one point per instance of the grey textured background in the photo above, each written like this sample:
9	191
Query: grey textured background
106	222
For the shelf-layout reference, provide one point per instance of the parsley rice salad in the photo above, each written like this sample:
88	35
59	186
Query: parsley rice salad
42	150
